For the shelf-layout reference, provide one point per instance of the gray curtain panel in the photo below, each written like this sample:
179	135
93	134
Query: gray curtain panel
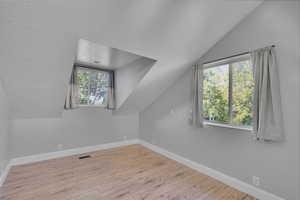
267	113
111	94
72	99
196	118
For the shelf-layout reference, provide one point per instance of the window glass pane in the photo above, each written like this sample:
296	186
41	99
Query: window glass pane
242	91
93	86
215	94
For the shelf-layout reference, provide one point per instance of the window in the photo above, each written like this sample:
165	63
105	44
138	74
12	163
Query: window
228	87
93	85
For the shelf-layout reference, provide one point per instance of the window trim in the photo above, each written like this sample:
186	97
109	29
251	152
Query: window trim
238	58
89	67
227	61
230	126
101	68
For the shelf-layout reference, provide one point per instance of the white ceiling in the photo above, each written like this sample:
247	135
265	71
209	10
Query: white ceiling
39	38
98	55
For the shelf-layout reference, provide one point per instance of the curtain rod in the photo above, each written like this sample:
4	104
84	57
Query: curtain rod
240	54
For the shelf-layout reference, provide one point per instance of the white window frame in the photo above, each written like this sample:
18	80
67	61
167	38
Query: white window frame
228	61
91	68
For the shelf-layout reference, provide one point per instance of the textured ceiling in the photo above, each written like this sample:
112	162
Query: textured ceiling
39	38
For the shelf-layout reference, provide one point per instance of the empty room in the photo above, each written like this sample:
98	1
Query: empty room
149	99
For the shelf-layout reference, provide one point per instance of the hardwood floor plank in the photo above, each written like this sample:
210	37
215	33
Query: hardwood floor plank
124	173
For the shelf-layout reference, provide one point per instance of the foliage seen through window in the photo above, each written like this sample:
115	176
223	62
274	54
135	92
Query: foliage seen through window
228	93
93	86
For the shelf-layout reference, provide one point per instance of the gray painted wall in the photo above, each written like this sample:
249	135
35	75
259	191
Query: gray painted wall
4	129
234	152
76	128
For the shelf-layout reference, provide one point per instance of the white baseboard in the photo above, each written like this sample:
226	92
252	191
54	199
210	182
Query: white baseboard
4	173
233	182
69	152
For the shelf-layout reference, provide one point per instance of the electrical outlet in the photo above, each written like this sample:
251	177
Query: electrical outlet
60	147
256	180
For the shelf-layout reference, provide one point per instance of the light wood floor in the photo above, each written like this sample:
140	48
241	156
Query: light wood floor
125	173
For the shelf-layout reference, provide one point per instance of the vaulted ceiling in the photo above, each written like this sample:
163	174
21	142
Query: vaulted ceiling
39	38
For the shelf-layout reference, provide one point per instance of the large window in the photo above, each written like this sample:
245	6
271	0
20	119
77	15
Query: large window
228	87
93	85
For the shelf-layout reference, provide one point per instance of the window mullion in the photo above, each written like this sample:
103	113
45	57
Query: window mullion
230	94
89	86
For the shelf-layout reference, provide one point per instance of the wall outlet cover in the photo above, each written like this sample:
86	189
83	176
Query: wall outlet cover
256	180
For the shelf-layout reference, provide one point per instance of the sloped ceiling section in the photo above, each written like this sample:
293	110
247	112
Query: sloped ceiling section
128	78
39	38
97	55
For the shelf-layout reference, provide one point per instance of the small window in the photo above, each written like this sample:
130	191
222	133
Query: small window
228	88
93	85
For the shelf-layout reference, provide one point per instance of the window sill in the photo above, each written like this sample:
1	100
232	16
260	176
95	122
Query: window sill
92	106
214	124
